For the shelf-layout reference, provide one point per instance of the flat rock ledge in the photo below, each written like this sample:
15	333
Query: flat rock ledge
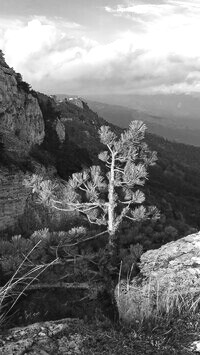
47	338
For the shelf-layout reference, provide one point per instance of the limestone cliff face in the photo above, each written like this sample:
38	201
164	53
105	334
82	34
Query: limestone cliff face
21	120
12	197
21	127
60	130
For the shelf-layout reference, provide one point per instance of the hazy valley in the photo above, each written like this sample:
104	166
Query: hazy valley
175	117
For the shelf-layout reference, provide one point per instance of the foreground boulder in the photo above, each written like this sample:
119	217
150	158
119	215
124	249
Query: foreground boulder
43	338
169	280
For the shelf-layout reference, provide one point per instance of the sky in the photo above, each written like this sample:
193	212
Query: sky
103	46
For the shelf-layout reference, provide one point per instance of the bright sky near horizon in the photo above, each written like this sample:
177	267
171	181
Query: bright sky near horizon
103	46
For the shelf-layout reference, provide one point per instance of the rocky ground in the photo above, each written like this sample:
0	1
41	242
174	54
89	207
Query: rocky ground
74	336
162	310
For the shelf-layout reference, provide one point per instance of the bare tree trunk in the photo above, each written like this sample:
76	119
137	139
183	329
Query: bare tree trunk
112	244
111	202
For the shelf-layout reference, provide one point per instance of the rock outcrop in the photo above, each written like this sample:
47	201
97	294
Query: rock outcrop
169	278
43	338
181	256
60	129
21	121
21	128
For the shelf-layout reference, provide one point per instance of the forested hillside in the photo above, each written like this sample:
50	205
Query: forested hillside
176	175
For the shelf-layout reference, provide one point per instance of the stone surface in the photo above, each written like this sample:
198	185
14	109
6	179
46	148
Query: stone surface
43	339
175	265
169	276
76	101
60	129
175	257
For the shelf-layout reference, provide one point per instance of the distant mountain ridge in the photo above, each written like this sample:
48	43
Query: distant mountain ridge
175	117
166	105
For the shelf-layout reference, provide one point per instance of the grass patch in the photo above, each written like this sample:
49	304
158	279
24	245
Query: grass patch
162	295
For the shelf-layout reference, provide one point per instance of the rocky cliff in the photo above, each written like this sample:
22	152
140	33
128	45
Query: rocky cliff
21	120
21	128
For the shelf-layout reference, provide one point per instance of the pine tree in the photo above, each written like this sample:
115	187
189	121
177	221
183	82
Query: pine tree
110	194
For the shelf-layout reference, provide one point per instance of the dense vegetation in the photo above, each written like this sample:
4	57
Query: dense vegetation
175	178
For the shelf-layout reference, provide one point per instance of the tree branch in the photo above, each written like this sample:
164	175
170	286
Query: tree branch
88	209
55	201
119	170
127	202
109	149
83	241
63	209
81	188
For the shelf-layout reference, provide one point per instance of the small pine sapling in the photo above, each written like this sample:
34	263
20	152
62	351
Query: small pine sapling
110	194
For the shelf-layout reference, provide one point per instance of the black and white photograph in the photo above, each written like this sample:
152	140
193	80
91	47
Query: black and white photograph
99	177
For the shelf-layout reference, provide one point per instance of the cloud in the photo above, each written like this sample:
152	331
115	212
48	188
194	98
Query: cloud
156	8
40	47
171	38
59	56
140	9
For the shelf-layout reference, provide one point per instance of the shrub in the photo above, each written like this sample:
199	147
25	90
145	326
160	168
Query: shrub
22	85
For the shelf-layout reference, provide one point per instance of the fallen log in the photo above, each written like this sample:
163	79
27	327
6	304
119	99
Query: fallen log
75	285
